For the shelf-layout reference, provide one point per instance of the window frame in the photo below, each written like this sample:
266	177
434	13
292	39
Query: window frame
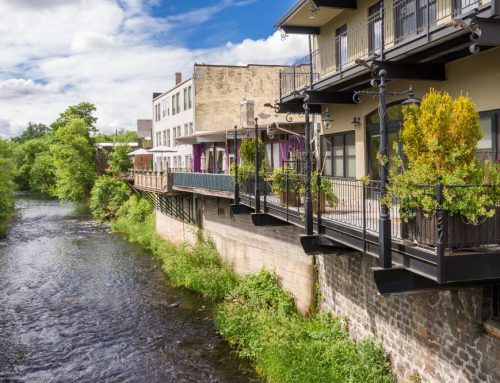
344	156
494	114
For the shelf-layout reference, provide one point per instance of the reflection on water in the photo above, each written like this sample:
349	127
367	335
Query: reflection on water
78	303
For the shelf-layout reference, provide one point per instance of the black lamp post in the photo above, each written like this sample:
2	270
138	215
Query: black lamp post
385	252
257	165
308	209
236	182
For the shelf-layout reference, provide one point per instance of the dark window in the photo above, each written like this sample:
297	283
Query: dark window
340	155
487	147
375	28
341	47
412	16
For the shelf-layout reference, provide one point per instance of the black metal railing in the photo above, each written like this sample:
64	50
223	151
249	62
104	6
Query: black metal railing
373	37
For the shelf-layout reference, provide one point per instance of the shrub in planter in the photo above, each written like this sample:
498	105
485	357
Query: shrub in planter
325	192
281	178
439	140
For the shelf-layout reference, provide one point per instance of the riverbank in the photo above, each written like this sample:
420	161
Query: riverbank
257	315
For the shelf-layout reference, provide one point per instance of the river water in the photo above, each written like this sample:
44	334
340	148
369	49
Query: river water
80	304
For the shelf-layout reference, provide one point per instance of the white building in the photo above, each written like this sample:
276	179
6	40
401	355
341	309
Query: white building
173	117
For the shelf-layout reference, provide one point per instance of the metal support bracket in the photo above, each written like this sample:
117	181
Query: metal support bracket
264	219
240	209
319	244
398	280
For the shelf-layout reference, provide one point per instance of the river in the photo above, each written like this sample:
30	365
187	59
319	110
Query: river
80	304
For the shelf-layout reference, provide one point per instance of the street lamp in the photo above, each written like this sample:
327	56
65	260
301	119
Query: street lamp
385	252
236	182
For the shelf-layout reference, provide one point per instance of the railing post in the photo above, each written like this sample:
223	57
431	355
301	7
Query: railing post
364	216
257	166
286	194
442	230
385	247
236	181
318	184
294	79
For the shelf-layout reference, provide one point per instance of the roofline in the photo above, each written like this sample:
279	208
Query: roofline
290	13
241	66
173	88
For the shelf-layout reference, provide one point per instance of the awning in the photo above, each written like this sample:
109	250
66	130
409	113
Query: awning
162	149
139	152
203	137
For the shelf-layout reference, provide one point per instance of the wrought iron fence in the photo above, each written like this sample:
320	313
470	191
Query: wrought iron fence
382	31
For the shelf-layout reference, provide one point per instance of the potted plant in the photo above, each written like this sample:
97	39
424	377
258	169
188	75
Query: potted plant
439	140
326	194
285	182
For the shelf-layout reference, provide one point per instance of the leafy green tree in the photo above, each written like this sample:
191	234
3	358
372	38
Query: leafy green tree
118	159
107	196
25	155
82	111
73	159
121	135
33	131
6	186
42	177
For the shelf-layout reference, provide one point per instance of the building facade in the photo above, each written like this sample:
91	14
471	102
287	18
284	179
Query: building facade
173	117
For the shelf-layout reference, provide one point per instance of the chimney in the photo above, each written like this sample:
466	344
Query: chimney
178	78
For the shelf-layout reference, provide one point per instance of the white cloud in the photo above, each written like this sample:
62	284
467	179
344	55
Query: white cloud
102	51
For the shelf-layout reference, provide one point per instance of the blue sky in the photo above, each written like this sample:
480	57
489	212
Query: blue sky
253	19
116	53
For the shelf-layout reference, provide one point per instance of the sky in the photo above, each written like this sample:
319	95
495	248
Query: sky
116	53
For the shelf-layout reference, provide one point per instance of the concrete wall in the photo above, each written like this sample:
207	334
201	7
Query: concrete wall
249	248
220	89
434	336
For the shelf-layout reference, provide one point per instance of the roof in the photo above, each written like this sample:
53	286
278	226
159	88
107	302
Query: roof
290	13
173	88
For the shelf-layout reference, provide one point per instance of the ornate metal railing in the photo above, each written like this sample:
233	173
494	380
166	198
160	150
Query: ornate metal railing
379	33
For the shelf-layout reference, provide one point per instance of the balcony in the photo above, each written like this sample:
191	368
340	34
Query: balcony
446	252
407	31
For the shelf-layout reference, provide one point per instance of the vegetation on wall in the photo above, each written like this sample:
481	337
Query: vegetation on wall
439	141
257	315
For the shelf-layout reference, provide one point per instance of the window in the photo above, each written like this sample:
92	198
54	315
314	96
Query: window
191	130
173	105
489	123
175	161
177	103
164	137
168	138
186	129
157	112
185	98
375	28
190	97
187	162
341	46
340	155
166	107
179	131
174	134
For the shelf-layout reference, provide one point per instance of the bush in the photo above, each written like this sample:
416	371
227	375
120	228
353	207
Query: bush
107	196
439	140
288	347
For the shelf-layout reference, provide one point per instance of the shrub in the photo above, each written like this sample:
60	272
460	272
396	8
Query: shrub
107	196
439	140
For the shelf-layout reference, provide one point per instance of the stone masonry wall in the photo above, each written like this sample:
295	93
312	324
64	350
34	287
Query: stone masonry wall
435	337
249	248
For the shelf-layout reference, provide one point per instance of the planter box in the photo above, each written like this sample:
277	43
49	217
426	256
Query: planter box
461	235
292	199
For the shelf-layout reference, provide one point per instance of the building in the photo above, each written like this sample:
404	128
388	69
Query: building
173	117
191	120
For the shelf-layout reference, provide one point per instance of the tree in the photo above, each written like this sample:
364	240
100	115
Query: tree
82	111
25	156
6	186
121	135
118	159
73	159
33	131
107	196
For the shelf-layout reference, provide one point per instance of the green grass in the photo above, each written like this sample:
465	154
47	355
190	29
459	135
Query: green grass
257	315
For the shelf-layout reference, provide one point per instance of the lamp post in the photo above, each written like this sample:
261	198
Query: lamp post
236	183
308	209
385	252
257	165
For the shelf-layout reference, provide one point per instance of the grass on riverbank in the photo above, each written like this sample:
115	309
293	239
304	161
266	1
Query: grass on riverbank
257	315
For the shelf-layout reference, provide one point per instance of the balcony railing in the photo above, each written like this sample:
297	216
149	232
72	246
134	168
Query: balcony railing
207	181
152	181
381	32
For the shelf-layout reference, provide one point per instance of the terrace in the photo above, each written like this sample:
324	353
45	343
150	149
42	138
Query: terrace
436	252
